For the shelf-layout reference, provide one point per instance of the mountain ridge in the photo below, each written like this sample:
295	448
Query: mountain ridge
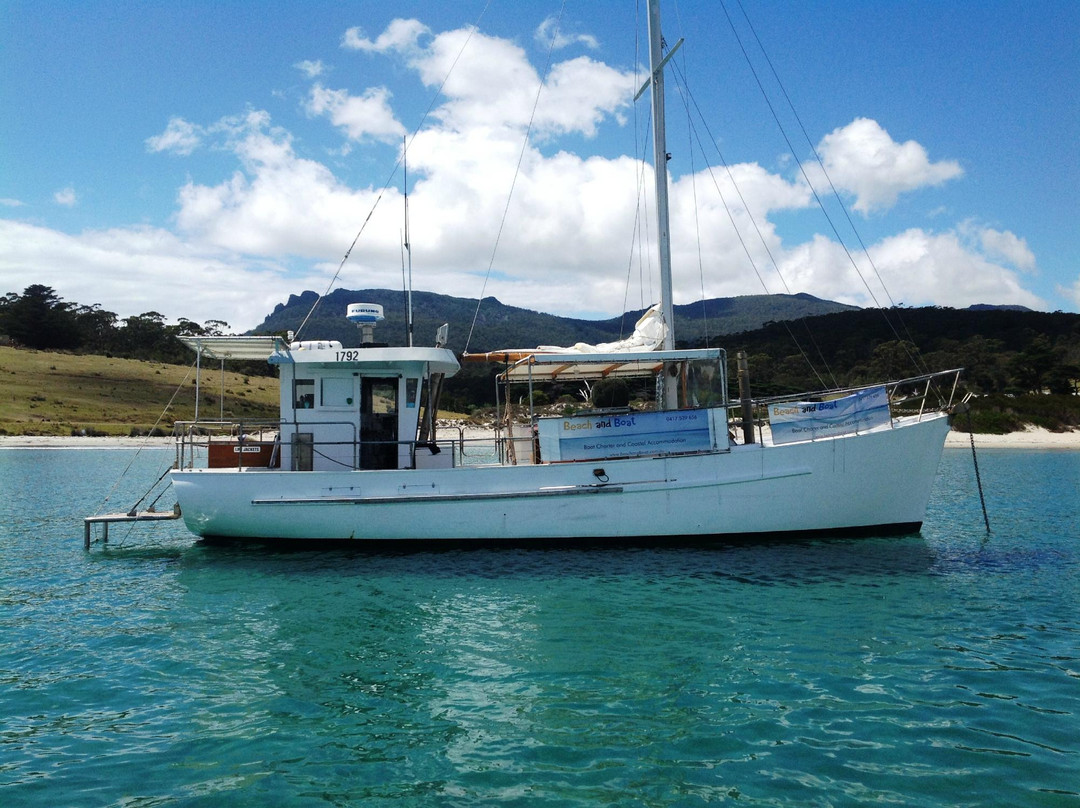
496	325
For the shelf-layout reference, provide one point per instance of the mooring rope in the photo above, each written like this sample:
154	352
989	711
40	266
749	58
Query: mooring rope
978	477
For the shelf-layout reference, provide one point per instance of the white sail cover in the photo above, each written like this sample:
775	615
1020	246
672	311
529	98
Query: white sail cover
649	333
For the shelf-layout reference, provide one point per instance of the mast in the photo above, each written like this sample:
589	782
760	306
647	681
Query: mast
408	247
660	158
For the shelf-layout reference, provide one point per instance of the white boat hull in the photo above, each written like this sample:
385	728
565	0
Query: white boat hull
880	480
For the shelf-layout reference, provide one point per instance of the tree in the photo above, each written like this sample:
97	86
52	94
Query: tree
39	318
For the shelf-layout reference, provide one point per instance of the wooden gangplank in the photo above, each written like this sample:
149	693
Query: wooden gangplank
106	519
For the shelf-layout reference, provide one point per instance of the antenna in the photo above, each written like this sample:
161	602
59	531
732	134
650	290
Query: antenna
365	315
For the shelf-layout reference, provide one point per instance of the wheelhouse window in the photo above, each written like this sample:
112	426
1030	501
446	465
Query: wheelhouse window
337	392
304	394
383	396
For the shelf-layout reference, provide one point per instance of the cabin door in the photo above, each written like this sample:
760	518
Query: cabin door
378	423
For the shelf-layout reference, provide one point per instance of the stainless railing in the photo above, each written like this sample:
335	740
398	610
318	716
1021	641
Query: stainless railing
196	441
918	396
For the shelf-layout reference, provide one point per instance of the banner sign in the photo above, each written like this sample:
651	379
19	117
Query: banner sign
635	433
806	420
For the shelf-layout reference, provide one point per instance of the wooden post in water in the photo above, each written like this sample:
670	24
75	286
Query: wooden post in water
744	397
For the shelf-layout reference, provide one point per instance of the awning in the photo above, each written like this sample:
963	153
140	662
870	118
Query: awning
575	366
257	347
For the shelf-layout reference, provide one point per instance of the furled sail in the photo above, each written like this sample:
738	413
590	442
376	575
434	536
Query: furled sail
649	333
648	336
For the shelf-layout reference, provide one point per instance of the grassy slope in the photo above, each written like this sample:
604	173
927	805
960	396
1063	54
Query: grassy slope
44	393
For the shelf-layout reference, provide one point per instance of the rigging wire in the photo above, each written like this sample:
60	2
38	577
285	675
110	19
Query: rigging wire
517	170
393	171
635	233
836	194
143	445
810	185
680	80
697	212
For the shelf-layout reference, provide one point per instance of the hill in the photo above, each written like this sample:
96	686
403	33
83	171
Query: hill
51	393
501	326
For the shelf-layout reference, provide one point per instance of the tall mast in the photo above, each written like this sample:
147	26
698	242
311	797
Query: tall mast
408	246
660	158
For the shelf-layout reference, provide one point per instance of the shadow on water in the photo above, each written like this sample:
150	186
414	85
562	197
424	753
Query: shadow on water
763	562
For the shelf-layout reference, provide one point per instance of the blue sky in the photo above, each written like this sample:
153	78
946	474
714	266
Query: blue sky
207	159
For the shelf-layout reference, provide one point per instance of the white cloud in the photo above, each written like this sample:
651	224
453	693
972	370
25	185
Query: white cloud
571	228
1009	247
279	204
180	137
571	222
12	203
66	197
130	271
365	116
491	83
863	159
400	35
923	268
1071	292
311	69
547	30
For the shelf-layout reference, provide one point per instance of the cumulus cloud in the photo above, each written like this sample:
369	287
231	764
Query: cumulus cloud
66	197
922	267
918	267
277	204
368	115
863	159
549	34
311	69
1072	292
400	35
1008	246
572	221
576	227
180	137
12	203
133	270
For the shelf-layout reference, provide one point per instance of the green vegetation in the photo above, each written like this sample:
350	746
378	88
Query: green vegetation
39	318
1000	414
1022	366
50	393
1002	351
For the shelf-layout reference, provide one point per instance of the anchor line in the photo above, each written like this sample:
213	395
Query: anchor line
978	477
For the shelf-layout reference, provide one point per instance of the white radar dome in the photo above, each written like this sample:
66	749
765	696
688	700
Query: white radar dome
364	313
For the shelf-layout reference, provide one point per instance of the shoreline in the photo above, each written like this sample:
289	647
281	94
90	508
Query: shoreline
1031	438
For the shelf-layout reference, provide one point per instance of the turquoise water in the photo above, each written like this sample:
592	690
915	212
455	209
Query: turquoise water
939	669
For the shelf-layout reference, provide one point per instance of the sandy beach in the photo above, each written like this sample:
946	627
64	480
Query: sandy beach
1031	438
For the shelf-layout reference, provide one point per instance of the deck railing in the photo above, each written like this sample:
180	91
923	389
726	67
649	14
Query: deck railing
918	396
256	444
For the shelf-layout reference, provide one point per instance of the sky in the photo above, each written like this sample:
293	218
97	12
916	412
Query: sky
206	159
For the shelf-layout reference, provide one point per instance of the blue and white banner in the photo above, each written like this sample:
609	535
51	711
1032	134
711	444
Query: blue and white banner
806	420
629	435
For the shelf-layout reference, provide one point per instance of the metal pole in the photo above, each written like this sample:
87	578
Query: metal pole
744	397
198	372
660	158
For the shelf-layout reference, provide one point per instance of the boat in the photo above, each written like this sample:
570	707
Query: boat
357	456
